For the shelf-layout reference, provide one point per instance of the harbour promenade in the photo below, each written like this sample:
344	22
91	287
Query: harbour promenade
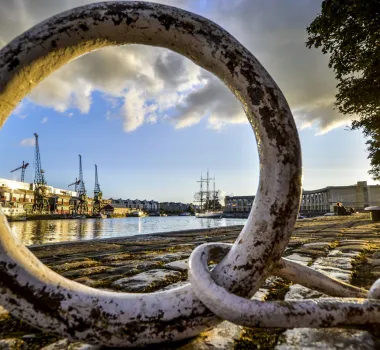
346	248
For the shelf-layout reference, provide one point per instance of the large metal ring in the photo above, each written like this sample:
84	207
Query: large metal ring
39	296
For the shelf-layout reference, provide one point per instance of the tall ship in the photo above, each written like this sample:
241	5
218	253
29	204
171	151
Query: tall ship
208	198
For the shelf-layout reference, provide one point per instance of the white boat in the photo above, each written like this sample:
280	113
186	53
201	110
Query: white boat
16	218
186	213
138	213
209	215
209	200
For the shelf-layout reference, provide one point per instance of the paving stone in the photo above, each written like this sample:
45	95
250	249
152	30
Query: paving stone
115	257
12	344
375	269
166	258
28	336
144	280
261	294
271	282
376	255
373	262
179	265
3	313
317	245
134	268
74	265
298	292
310	252
336	273
327	234
349	248
86	271
304	260
347	242
339	262
326	339
337	252
221	337
87	281
65	344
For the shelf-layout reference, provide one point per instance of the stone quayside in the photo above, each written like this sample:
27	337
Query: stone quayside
341	247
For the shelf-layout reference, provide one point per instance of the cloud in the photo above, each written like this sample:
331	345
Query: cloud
44	120
146	84
275	32
30	142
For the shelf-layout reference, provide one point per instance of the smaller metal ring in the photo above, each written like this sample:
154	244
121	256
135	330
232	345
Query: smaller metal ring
313	313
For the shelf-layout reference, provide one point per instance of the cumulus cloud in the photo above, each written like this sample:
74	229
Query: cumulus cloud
144	84
30	142
275	32
44	120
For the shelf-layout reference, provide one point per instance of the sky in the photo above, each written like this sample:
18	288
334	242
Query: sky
153	121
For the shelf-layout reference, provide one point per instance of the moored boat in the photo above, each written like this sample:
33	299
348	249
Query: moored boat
209	215
208	199
98	216
138	213
16	218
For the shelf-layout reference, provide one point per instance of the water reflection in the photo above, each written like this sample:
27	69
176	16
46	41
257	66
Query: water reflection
45	231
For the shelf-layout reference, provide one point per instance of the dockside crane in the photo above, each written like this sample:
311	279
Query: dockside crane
22	167
41	202
76	184
97	206
82	207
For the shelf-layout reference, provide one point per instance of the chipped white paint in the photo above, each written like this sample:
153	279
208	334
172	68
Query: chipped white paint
31	291
314	279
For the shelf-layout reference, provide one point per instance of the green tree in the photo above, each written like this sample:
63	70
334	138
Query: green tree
349	32
190	209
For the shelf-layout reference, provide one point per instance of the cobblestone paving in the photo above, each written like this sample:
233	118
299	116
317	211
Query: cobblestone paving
346	248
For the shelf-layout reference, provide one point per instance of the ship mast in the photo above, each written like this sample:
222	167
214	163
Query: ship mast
214	196
200	194
207	192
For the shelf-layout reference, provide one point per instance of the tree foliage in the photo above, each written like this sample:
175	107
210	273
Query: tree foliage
349	31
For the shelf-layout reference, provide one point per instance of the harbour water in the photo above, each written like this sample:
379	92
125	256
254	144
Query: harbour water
48	231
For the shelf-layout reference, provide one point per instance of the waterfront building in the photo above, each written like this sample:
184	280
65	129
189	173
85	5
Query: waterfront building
238	204
150	206
175	207
136	204
16	194
357	196
116	209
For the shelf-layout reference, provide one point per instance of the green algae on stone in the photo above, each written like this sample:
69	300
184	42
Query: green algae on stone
362	275
264	338
258	338
11	327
